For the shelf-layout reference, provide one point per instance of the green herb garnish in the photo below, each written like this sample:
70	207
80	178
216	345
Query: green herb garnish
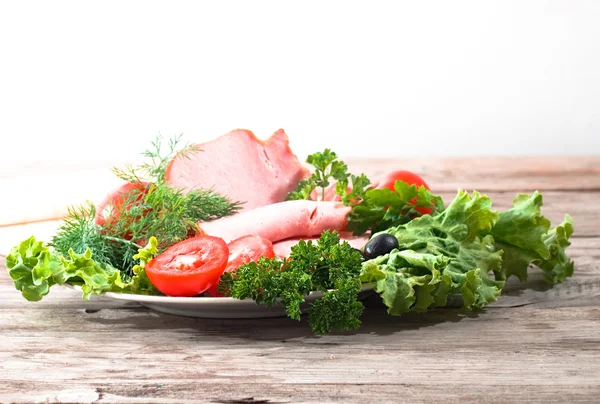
79	232
380	209
328	168
150	208
372	209
326	266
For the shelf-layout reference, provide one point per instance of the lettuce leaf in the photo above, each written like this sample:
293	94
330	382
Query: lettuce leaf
383	208
470	250
526	237
35	268
140	284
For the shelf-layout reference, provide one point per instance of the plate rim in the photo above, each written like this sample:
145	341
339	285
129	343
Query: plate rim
196	299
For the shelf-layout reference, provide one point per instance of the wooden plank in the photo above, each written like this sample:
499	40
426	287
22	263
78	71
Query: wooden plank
72	351
272	393
175	392
443	174
536	353
493	173
584	207
580	169
537	343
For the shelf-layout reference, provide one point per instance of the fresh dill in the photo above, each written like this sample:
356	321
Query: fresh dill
79	232
155	169
165	213
149	208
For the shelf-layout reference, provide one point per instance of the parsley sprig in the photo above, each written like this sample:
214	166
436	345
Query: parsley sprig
372	209
325	266
328	168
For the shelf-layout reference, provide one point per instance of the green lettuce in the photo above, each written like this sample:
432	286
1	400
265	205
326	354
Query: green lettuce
526	237
140	284
34	268
380	209
470	250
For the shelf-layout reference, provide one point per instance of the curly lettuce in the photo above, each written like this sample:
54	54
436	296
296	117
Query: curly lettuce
380	209
470	250
526	237
34	268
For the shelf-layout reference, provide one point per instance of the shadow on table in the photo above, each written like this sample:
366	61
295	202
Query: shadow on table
375	322
535	282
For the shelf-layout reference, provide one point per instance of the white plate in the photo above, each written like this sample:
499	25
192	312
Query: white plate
216	307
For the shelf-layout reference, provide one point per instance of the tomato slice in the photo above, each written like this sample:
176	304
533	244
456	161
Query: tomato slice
189	267
107	211
242	251
410	178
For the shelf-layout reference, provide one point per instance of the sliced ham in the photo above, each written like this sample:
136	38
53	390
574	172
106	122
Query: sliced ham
241	167
283	248
281	221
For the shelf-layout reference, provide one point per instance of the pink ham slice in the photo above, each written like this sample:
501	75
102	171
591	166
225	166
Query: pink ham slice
283	248
241	167
280	221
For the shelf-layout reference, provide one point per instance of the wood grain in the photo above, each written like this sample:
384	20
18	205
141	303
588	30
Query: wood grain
582	206
501	355
535	344
92	181
494	173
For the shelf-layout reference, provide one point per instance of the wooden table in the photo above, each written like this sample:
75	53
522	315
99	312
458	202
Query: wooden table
536	344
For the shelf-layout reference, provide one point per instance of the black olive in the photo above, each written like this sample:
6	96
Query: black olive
380	245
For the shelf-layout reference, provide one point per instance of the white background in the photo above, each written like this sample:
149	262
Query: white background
98	80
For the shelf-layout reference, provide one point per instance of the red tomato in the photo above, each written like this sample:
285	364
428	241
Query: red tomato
189	267
244	250
107	210
410	178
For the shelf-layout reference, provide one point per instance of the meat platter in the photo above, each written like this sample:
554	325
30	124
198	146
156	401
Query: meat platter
239	227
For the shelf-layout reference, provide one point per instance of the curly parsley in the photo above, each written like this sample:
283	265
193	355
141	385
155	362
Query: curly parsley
372	209
328	168
325	266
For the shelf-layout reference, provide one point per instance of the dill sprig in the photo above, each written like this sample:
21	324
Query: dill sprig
158	210
78	232
151	208
159	160
165	213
